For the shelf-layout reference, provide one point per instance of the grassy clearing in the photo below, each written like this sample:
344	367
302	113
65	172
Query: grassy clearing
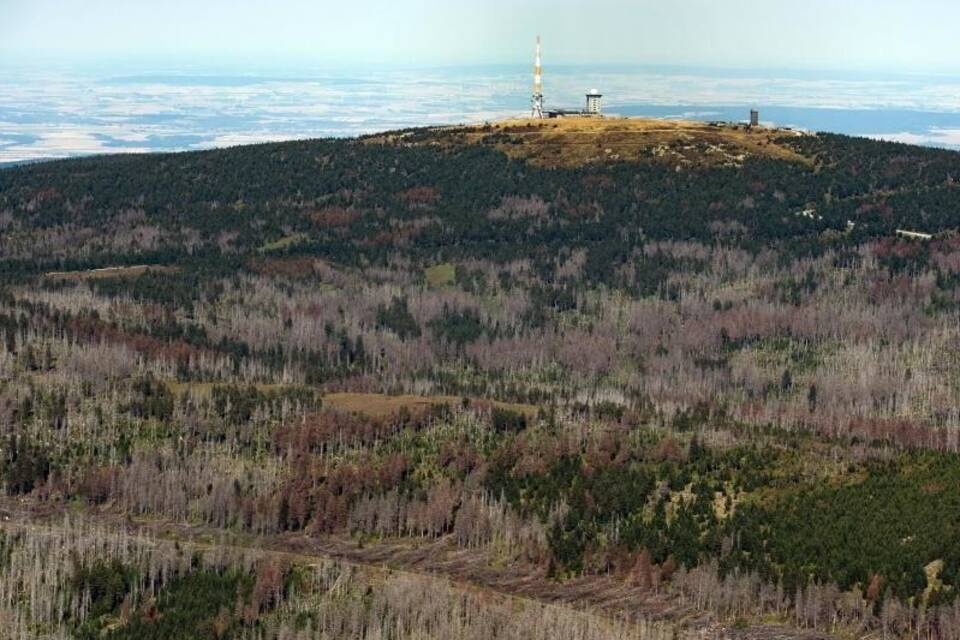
441	275
108	272
376	405
283	243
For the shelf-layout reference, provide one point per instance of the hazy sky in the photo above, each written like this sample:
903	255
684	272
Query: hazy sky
878	35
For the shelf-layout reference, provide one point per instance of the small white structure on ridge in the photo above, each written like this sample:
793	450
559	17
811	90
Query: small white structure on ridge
593	102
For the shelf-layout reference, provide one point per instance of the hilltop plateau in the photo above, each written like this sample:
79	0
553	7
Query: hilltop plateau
576	141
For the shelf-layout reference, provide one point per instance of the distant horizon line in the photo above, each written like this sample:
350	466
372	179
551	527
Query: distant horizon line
267	63
281	138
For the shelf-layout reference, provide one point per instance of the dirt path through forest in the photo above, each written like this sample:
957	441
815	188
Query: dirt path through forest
468	571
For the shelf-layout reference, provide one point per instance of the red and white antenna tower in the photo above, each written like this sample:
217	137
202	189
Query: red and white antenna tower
537	85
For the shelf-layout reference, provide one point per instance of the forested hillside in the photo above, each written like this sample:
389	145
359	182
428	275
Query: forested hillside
630	379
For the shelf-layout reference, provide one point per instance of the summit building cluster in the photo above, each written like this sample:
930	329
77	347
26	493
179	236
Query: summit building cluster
592	108
594	99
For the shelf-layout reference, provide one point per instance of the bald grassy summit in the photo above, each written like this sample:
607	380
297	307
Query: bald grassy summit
577	141
595	378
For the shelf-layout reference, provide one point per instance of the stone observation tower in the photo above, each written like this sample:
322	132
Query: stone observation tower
593	102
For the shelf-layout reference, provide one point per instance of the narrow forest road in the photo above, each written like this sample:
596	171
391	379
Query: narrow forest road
468	572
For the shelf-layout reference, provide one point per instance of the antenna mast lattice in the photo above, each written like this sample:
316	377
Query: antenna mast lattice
537	85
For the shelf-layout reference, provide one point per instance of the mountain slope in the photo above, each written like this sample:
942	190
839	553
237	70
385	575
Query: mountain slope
361	201
700	378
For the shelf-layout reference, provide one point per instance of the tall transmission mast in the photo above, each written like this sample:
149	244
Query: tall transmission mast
537	85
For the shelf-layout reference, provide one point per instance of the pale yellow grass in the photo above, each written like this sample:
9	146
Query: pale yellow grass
375	405
109	272
576	141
